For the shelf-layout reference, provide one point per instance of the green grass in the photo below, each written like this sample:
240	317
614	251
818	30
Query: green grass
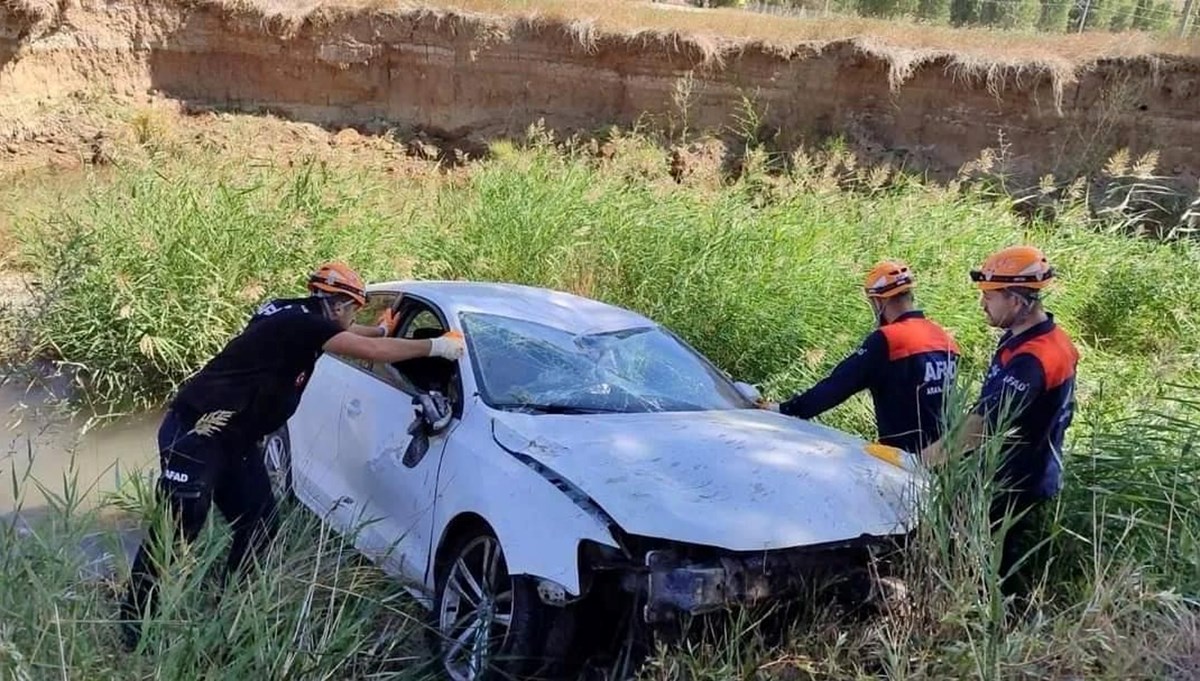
311	609
147	275
148	271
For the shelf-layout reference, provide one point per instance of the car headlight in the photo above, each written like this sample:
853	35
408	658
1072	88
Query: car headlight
893	455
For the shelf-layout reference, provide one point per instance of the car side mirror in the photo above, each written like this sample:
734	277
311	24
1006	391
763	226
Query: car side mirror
433	413
418	447
748	391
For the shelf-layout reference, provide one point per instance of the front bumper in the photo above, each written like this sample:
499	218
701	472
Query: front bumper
672	586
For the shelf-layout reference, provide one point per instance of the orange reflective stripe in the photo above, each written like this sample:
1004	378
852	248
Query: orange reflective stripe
915	336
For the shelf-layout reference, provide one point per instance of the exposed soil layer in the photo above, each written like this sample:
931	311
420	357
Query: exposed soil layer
470	77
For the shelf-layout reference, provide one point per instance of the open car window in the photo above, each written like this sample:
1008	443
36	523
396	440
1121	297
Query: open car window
525	365
422	324
424	374
376	304
418	375
369	316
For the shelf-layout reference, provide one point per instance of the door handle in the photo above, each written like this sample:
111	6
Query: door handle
354	407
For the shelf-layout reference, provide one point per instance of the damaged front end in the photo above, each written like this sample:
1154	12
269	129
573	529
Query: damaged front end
674	580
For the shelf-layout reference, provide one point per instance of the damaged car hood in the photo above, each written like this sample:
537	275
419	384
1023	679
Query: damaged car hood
741	480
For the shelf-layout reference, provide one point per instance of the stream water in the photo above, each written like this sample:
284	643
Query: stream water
41	444
45	451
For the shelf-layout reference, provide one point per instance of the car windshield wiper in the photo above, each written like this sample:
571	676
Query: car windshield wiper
558	408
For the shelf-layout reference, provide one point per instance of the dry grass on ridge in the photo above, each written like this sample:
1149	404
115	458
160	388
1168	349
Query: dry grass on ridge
734	26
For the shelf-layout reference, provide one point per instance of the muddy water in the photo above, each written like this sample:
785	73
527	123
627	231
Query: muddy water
40	444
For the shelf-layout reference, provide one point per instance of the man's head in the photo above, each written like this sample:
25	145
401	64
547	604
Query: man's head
1012	281
888	287
340	289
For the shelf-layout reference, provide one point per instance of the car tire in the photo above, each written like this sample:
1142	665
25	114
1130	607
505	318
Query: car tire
276	452
518	623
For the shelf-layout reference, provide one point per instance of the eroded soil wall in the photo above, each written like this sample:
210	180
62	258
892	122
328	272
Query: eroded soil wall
480	78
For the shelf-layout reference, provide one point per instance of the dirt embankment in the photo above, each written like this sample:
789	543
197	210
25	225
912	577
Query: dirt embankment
468	76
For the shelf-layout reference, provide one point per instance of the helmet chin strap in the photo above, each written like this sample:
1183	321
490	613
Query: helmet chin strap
327	305
1020	316
880	307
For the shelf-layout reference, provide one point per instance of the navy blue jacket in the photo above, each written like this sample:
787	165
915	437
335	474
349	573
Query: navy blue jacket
907	365
1030	388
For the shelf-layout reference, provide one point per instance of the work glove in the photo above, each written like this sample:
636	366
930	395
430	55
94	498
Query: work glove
448	346
387	322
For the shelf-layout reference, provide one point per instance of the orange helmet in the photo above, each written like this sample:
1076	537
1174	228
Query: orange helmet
888	278
1015	266
335	277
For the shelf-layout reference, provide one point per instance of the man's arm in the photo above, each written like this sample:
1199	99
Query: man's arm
391	350
1009	395
850	376
969	437
367	331
385	326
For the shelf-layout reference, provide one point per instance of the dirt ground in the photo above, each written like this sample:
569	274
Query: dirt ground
99	132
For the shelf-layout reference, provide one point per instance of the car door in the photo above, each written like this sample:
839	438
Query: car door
313	436
398	484
328	475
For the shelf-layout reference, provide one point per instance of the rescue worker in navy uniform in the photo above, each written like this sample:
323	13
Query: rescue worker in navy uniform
207	439
907	363
1029	392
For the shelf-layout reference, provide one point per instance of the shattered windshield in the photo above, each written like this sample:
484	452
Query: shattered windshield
527	366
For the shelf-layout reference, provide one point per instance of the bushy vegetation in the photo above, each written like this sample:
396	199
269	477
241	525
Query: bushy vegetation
311	609
148	271
147	275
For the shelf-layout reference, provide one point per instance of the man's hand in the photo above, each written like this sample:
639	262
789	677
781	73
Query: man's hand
387	322
934	454
769	406
449	346
970	436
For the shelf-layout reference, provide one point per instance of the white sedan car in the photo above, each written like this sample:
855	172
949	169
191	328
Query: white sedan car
578	465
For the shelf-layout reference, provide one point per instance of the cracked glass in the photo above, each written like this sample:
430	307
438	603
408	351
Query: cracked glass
527	366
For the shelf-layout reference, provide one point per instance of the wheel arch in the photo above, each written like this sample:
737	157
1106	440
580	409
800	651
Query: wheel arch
458	527
559	561
540	520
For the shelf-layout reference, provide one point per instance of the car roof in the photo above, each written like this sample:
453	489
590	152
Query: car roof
566	311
